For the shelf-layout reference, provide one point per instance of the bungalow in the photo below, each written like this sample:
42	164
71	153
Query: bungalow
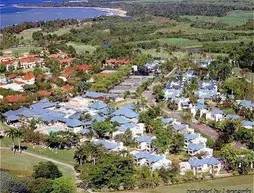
145	142
154	161
245	104
109	145
197	148
127	111
120	120
136	129
116	63
98	105
201	108
215	114
94	95
232	117
194	148
167	121
184	103
211	165
181	128
248	124
194	138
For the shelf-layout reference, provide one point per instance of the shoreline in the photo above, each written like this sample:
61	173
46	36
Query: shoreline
115	11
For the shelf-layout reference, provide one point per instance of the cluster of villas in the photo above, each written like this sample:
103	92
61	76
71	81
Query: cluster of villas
17	83
207	90
29	61
66	116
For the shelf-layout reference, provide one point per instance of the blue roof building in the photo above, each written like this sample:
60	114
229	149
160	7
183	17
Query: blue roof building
93	95
98	105
167	120
107	144
126	126
190	136
149	157
147	139
120	120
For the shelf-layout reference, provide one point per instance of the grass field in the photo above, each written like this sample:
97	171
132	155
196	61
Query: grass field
237	18
233	18
230	183
21	164
27	35
65	156
22	50
81	48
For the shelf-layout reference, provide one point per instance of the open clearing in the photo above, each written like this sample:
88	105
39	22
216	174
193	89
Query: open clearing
229	183
22	164
82	48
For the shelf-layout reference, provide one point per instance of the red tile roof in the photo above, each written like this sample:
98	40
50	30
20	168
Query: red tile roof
104	74
66	61
39	76
68	87
11	76
117	61
19	82
28	76
9	62
29	59
44	93
83	67
15	98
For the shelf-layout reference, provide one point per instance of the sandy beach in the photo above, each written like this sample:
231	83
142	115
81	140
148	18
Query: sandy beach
118	12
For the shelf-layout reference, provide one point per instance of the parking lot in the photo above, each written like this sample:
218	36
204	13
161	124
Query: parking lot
130	84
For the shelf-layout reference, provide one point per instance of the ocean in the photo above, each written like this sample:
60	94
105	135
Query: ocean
10	15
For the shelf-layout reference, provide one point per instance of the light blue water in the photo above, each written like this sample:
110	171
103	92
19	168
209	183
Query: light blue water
52	130
10	15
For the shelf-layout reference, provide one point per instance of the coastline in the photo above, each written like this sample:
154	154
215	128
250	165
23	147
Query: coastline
114	11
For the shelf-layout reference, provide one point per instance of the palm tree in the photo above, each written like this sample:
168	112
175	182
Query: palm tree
12	134
19	135
79	155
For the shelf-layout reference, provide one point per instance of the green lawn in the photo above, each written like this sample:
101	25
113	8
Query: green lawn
230	183
237	18
22	164
81	48
65	156
180	42
27	35
22	50
211	19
